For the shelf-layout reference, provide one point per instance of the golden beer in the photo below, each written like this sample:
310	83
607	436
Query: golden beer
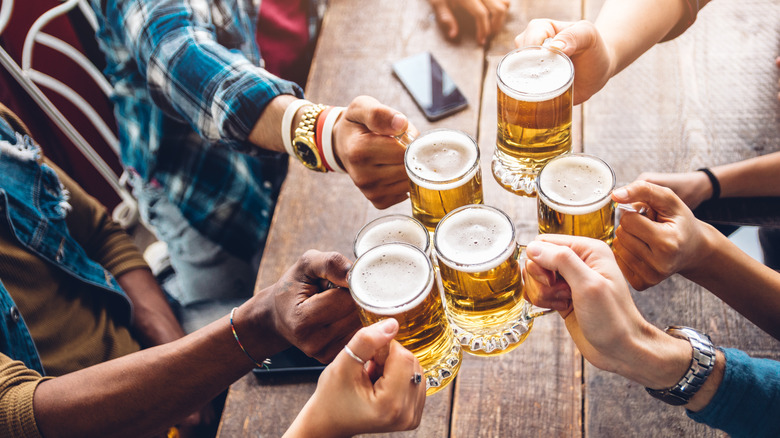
444	173
574	197
534	115
397	280
481	278
389	229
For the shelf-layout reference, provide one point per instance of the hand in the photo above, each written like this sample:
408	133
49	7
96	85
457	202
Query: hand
349	400
603	320
489	16
666	241
692	188
299	310
368	152
581	41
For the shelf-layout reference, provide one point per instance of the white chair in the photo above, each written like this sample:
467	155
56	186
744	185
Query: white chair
126	213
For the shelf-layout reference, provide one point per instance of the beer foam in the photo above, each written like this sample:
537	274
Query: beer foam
475	239
440	156
387	279
576	184
535	75
393	230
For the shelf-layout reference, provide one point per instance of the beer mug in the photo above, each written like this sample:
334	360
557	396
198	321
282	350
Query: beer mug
534	115
392	228
397	280
479	267
444	173
574	197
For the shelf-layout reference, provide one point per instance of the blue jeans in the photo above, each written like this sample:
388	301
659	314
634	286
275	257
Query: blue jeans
208	281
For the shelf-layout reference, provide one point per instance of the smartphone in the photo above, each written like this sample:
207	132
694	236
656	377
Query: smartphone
430	86
288	361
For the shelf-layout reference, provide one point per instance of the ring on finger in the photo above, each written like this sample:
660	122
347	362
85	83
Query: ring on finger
353	355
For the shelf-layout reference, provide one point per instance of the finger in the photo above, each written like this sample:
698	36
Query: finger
634	269
445	18
555	297
661	199
498	11
572	38
561	258
330	266
481	19
397	194
538	30
375	150
369	341
377	117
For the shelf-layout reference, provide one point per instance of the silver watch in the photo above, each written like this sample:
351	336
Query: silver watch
702	363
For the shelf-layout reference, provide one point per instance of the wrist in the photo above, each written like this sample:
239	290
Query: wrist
255	325
712	241
656	360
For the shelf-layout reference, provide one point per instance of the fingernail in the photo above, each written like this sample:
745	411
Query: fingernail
533	249
563	295
558	44
620	193
398	123
388	325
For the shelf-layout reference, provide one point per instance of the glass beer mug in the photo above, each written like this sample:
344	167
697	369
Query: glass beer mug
574	197
397	280
479	264
444	173
534	115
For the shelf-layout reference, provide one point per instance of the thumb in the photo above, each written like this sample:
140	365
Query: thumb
571	38
371	341
660	199
378	118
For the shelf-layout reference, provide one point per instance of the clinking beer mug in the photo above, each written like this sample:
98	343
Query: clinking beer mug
479	264
397	280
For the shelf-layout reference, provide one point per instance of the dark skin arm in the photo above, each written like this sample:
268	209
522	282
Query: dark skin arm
154	322
143	393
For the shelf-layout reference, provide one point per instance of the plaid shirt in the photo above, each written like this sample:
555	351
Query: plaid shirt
188	90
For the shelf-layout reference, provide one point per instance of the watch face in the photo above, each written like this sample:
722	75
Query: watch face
306	154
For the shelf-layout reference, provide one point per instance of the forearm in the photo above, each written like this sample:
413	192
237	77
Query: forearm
758	176
219	90
147	391
743	283
153	320
630	28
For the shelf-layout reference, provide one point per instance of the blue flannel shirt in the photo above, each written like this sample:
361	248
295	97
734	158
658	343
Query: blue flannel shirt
188	90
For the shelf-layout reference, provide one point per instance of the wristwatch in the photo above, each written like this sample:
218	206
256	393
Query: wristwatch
702	363
304	143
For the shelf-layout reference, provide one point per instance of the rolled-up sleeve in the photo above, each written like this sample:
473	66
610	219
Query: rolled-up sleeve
17	387
216	88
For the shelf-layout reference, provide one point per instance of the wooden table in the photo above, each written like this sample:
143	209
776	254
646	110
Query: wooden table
704	99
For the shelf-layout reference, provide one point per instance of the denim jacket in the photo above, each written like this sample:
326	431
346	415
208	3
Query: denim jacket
33	207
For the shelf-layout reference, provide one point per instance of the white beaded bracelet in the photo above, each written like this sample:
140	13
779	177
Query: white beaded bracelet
327	139
287	119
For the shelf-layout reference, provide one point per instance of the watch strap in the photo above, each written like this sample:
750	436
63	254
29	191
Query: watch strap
702	363
287	119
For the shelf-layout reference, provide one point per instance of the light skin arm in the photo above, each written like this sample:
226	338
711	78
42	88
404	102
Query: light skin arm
350	400
622	32
362	142
147	391
671	240
756	176
603	320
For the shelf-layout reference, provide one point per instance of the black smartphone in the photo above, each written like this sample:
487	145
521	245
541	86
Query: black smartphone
291	360
430	86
